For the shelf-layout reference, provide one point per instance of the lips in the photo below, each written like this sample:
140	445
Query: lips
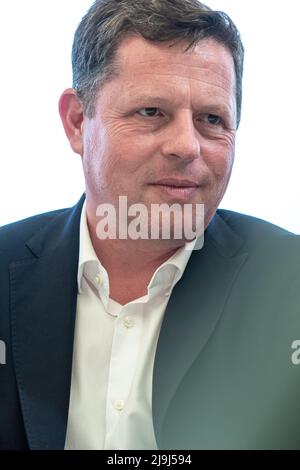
178	189
176	183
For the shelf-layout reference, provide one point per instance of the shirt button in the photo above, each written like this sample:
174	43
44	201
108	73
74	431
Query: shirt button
167	294
98	279
119	405
128	322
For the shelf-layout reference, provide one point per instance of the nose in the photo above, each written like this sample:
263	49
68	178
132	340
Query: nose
181	139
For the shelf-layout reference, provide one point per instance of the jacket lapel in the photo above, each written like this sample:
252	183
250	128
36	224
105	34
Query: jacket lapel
43	308
193	312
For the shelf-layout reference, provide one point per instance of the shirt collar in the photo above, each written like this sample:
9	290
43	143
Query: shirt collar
86	249
166	275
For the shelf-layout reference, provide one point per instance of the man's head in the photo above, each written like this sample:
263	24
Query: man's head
108	22
157	95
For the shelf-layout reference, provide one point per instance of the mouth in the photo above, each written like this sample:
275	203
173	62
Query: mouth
176	188
176	183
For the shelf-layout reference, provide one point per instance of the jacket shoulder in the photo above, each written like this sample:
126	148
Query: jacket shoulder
262	238
13	236
249	227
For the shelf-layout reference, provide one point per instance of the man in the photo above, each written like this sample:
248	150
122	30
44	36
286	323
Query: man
146	343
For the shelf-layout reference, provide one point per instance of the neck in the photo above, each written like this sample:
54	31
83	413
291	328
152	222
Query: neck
132	256
130	264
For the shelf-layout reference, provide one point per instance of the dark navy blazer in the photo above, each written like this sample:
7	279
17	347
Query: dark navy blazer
223	374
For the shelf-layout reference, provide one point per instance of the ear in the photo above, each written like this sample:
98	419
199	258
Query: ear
71	113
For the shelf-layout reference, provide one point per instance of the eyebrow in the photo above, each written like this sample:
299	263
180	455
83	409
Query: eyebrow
154	99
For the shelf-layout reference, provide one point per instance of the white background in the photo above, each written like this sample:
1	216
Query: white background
39	172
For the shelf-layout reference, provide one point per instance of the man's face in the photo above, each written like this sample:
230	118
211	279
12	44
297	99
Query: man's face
168	115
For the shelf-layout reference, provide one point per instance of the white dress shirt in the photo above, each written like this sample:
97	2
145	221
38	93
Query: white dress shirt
113	357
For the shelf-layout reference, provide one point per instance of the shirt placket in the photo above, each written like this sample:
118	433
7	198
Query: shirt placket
124	356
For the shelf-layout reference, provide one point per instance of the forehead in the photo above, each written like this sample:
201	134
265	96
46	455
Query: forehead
144	62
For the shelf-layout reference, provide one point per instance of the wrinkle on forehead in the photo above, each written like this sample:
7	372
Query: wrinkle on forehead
209	61
139	51
206	61
221	82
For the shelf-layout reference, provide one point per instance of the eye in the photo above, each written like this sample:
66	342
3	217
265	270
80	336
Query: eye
149	112
212	119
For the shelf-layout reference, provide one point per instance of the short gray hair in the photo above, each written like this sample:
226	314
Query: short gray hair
108	22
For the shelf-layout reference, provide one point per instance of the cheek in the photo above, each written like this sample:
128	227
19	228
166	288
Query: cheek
131	155
117	148
97	161
219	158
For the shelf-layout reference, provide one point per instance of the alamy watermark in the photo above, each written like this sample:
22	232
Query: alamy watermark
160	221
2	353
295	357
